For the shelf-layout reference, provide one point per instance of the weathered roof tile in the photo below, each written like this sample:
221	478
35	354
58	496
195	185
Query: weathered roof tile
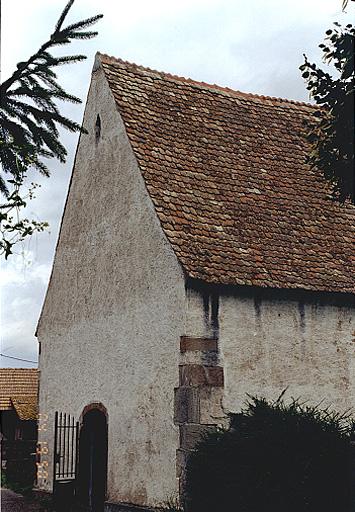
226	172
26	407
17	383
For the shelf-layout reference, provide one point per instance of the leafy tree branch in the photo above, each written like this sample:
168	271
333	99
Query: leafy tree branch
13	228
331	131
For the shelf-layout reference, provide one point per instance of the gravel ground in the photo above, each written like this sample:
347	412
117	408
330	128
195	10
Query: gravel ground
13	502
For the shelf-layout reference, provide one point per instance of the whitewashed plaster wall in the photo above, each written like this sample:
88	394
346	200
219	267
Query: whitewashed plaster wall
268	343
114	312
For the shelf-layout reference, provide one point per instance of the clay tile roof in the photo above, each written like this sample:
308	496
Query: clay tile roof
26	407
17	383
227	175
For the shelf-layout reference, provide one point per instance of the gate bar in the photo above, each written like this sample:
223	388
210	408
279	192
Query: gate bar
72	448
55	448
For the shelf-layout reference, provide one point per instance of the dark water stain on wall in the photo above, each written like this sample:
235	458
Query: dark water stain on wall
302	312
257	309
211	312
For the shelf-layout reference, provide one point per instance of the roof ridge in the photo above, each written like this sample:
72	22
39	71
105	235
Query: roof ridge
109	59
17	369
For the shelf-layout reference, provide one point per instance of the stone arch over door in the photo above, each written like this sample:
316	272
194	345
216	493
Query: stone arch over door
92	467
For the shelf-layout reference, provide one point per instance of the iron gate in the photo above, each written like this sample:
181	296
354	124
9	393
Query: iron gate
65	462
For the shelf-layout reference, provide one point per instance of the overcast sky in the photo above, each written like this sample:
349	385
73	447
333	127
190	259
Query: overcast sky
254	46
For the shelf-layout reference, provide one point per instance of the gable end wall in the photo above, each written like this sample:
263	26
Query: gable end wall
114	313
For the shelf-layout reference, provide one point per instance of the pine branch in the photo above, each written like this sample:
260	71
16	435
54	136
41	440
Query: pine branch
59	37
63	16
29	115
84	24
29	121
83	35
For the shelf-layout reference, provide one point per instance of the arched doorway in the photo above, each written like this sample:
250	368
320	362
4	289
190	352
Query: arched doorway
92	474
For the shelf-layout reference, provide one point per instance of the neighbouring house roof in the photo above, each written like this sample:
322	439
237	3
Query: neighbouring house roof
18	389
227	175
26	407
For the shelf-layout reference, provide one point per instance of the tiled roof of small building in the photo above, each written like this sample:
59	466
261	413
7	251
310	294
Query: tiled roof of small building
227	175
26	407
17	383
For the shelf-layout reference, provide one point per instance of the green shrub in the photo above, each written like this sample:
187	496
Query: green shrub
17	487
275	457
3	479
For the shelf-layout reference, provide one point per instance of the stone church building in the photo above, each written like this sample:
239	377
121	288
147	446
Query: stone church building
199	259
